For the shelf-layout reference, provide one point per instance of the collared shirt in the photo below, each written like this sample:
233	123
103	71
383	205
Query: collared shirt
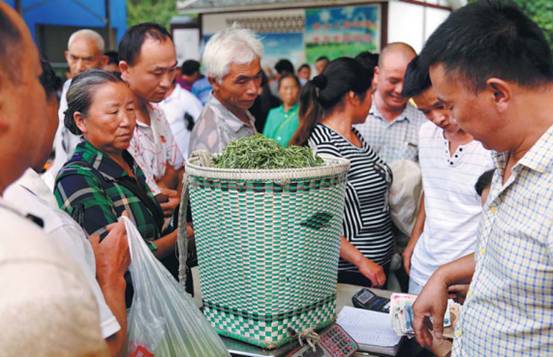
93	195
30	194
395	140
509	307
182	109
282	125
153	147
44	299
217	127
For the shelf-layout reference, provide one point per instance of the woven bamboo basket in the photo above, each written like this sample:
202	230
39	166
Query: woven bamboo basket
268	247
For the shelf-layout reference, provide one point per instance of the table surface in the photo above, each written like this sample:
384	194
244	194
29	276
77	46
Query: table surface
344	292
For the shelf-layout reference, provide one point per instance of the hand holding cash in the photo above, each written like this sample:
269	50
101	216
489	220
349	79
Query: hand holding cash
401	314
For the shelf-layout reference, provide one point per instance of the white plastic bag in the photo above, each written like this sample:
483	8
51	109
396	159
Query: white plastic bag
163	319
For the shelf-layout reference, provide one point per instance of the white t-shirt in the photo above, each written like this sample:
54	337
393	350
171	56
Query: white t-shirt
451	203
175	107
46	308
67	234
153	147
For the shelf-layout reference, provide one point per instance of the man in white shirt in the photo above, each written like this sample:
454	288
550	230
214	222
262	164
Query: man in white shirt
148	64
451	162
45	304
30	195
392	127
85	50
182	109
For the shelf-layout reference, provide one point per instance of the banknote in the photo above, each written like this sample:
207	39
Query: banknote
402	317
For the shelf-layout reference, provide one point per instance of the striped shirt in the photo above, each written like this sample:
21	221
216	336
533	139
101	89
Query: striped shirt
395	140
509	307
367	223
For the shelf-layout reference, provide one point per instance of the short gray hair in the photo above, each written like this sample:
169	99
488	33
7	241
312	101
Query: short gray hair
80	93
88	34
232	45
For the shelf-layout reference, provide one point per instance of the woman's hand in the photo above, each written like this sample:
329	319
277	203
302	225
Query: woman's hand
372	271
173	200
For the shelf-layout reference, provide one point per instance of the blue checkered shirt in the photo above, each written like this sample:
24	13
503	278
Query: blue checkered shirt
396	140
509	307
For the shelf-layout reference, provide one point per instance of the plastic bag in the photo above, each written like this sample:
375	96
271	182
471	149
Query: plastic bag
163	319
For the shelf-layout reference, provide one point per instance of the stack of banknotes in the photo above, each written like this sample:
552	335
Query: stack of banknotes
401	314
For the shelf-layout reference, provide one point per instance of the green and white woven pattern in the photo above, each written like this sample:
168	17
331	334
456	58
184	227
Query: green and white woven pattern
268	247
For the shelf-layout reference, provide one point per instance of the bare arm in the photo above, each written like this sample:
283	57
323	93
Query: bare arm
415	235
372	271
432	301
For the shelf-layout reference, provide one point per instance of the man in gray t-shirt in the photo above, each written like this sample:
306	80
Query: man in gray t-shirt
231	60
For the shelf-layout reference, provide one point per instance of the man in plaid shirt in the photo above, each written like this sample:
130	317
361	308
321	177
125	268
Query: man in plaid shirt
492	67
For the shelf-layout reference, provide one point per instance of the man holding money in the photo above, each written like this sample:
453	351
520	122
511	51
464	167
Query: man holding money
492	67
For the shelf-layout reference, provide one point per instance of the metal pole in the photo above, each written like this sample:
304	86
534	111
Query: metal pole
18	6
109	30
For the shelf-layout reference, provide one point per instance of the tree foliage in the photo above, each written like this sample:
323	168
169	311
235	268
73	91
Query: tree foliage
158	11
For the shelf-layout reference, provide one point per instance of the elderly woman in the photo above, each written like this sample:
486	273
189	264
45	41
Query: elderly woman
102	180
330	105
283	121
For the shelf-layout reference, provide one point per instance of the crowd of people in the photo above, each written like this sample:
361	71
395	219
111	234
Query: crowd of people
467	121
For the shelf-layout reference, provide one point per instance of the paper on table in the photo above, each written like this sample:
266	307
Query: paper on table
368	327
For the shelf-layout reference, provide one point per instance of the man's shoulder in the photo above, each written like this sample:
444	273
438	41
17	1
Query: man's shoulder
21	239
32	265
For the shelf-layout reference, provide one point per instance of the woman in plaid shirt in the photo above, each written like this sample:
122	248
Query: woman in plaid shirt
102	180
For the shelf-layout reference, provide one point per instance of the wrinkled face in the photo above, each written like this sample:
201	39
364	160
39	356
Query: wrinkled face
23	107
473	111
82	55
288	91
152	74
435	111
111	118
305	73
390	80
239	88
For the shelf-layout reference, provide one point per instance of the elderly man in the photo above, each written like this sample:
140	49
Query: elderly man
148	63
392	126
492	67
232	63
85	50
46	306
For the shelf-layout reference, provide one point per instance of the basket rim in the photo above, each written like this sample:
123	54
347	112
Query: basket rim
333	166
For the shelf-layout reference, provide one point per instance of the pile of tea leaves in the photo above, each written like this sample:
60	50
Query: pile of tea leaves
260	152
